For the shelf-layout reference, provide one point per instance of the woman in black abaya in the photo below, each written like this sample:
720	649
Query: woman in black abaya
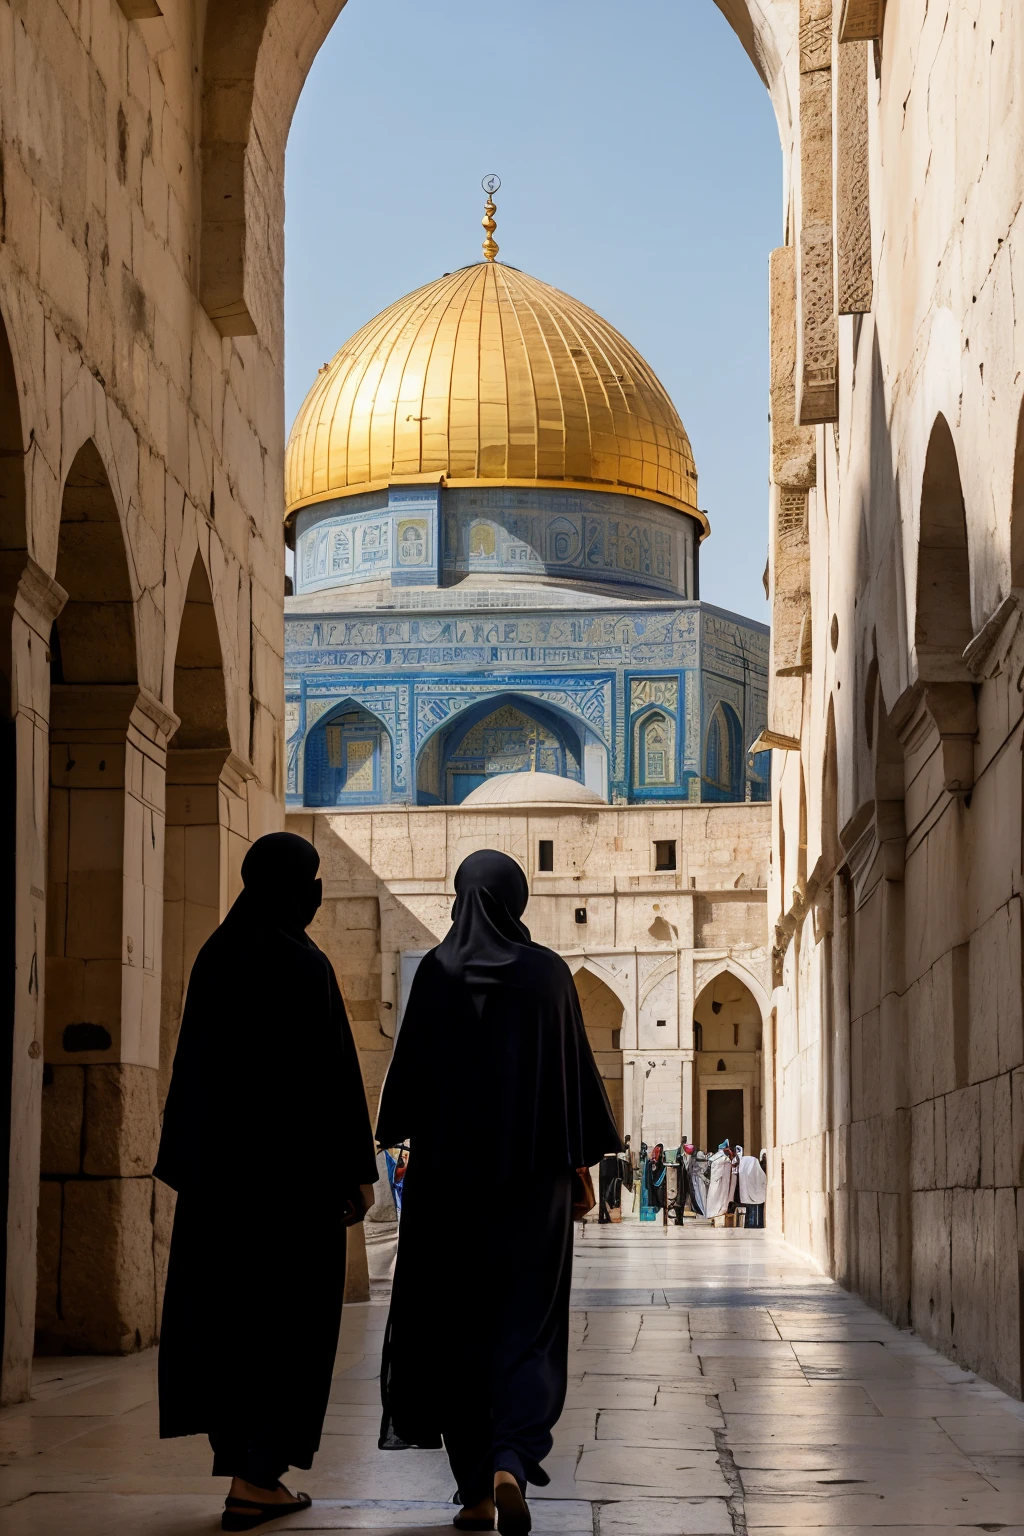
492	1046
266	1139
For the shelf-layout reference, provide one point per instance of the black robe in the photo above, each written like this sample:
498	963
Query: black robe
492	1056
266	1139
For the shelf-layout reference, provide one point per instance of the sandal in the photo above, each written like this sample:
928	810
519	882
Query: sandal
513	1511
247	1514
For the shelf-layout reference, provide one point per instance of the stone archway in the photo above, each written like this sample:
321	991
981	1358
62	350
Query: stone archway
602	1018
728	1037
101	1036
195	894
255	58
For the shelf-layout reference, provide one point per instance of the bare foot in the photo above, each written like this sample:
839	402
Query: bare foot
240	1489
504	1477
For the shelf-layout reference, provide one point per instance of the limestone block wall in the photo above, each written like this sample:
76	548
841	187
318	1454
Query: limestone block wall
657	948
141	585
896	1053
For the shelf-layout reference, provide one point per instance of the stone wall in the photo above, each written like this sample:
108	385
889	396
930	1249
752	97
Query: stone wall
141	577
898	651
641	957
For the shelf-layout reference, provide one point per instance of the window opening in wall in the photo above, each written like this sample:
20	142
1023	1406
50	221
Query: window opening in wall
721	1065
665	854
581	914
661	1023
698	1035
546	855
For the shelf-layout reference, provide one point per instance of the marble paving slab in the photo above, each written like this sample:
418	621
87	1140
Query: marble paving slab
717	1383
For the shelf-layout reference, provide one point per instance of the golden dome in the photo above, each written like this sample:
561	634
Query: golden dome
489	375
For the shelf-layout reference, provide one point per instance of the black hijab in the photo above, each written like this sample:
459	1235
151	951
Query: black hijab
492	1048
280	885
484	947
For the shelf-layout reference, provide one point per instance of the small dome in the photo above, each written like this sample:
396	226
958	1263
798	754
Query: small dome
532	789
488	375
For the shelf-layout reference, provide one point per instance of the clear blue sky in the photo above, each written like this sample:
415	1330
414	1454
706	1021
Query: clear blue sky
640	171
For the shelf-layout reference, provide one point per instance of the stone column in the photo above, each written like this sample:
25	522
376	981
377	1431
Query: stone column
102	1037
37	602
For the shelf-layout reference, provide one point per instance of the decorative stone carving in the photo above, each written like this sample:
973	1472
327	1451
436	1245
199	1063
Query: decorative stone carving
853	206
793	460
817	337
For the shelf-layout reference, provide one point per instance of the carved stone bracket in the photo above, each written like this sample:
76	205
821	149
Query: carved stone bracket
861	21
986	653
950	709
39	598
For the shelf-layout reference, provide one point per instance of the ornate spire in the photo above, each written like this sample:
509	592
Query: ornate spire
490	185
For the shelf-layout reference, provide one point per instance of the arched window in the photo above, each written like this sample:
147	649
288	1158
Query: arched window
503	734
724	760
716	757
654	751
348	759
655	738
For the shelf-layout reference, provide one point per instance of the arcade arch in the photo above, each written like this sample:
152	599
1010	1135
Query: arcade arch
255	58
942	624
105	839
198	818
727	1099
602	1019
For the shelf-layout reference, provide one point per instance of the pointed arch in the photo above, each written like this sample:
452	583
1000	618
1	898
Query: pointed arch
200	698
196	836
724	758
732	967
95	639
603	1012
730	1011
255	57
604	974
942	619
348	757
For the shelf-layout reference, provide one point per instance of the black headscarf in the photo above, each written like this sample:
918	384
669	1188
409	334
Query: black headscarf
281	889
492	1047
484	947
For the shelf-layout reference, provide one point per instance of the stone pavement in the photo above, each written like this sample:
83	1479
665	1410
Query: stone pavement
717	1384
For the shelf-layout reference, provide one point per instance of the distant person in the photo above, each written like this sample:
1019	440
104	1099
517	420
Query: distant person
491	1051
266	1139
753	1188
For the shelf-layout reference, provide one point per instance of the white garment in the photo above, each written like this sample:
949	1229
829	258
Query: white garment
753	1184
720	1185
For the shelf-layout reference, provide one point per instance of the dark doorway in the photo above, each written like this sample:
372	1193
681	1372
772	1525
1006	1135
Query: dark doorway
725	1117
